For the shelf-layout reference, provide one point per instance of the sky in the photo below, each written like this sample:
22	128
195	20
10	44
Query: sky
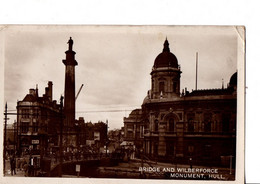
114	63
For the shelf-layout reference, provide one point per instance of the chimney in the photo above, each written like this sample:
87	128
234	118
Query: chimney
37	90
46	92
32	92
50	90
81	119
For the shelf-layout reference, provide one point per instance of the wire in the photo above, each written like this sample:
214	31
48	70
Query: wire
104	111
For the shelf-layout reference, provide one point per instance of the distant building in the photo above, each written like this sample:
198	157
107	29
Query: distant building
96	134
197	127
38	120
11	137
134	129
116	134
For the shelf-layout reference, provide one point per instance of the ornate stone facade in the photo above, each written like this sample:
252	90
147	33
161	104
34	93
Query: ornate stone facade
197	126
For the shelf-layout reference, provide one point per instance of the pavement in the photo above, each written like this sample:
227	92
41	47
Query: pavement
134	165
19	172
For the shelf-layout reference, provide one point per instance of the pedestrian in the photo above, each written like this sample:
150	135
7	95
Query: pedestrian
12	164
23	163
25	168
18	163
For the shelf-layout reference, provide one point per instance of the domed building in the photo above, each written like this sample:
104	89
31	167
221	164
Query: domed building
197	127
165	75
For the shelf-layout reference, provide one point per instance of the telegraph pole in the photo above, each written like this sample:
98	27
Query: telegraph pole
106	136
5	118
61	139
196	85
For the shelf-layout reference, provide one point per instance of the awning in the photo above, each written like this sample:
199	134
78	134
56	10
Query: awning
126	143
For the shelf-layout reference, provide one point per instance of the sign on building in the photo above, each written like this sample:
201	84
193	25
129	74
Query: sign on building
77	168
97	136
35	141
90	142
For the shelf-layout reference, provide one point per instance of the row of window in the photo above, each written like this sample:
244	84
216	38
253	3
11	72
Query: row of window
24	128
191	125
162	86
140	130
25	113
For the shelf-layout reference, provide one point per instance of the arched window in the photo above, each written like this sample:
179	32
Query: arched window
174	87
190	120
171	125
207	126
225	122
156	125
170	149
190	125
161	87
207	122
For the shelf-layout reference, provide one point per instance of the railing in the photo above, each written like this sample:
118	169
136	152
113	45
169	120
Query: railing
149	162
55	160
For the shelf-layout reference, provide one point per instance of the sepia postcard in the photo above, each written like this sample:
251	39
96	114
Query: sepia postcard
116	104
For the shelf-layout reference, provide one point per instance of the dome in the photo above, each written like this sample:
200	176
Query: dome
166	58
233	80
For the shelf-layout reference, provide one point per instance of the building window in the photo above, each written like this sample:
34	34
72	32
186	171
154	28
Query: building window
161	87
130	134
190	125
36	113
146	129
174	87
190	117
156	124
155	149
24	127
25	113
225	122
44	115
171	125
130	129
207	122
35	127
207	126
190	149
170	149
207	151
141	131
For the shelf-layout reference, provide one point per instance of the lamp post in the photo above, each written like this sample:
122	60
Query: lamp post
142	162
106	136
61	129
5	118
42	135
14	136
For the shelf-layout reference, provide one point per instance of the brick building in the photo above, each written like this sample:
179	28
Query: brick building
38	120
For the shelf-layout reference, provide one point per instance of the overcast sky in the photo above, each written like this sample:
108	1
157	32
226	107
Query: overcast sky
114	63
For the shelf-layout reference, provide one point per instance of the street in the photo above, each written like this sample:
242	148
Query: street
19	172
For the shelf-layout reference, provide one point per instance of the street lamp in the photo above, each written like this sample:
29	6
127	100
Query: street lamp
42	135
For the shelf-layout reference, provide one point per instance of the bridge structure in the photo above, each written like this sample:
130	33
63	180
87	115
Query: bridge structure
76	164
